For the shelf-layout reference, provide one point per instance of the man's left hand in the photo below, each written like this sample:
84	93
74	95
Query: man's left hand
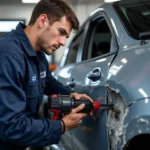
80	96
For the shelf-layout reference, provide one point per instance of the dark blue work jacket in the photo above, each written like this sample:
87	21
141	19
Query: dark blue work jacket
24	78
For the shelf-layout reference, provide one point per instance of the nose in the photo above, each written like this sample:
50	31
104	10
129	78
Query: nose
62	41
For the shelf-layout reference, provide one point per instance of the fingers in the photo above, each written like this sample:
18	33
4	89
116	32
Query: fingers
77	109
86	96
77	96
91	113
80	96
82	115
80	121
73	120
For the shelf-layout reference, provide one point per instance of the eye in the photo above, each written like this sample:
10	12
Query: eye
61	32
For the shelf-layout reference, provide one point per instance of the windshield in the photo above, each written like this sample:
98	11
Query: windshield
135	16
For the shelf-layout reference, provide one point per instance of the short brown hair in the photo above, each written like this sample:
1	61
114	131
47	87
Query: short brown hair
55	10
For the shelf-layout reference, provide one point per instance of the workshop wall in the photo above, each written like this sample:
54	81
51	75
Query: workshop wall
16	12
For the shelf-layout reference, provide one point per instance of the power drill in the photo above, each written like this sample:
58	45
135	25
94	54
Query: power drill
60	105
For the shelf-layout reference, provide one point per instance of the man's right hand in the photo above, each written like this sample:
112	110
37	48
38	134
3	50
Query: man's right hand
74	119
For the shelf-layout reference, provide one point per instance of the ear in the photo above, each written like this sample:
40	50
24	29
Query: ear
42	21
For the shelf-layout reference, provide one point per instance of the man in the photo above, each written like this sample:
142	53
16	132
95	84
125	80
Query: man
25	77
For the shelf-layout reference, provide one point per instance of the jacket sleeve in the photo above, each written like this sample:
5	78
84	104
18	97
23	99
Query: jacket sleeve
55	87
15	126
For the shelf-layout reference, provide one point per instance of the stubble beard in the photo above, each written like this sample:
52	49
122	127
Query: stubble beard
43	48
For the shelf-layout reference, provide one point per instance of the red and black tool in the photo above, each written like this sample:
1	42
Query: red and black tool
64	104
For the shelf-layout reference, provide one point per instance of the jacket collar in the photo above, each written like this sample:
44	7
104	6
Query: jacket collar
24	39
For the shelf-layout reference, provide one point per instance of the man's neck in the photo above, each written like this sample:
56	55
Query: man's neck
31	33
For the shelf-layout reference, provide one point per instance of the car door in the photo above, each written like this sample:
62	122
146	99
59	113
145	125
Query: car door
69	59
67	63
99	50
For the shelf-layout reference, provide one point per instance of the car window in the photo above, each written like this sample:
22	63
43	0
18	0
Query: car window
73	49
99	38
135	15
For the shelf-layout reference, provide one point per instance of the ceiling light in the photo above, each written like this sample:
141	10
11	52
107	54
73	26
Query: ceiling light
30	1
109	1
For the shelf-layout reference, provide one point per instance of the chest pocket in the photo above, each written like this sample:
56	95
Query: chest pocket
31	90
32	96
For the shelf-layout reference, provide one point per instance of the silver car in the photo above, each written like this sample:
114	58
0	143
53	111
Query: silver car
109	59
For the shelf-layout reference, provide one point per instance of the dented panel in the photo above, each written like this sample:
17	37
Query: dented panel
115	122
128	88
138	120
126	122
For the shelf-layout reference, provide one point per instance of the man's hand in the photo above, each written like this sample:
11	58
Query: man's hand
80	96
74	119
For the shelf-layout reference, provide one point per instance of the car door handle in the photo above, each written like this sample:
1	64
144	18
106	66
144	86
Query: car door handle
71	83
94	75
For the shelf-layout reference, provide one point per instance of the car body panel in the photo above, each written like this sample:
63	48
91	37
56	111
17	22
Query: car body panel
132	84
136	122
97	91
138	119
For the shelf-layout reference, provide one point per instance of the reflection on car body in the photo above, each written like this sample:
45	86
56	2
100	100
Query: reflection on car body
109	59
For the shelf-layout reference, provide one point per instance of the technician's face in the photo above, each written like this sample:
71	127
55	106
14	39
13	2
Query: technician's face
54	35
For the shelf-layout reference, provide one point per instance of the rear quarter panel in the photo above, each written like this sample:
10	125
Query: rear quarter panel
130	73
129	78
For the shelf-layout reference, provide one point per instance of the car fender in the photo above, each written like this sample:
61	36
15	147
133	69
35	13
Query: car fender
136	122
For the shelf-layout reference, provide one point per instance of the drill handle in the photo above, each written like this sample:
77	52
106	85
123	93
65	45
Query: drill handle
56	114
